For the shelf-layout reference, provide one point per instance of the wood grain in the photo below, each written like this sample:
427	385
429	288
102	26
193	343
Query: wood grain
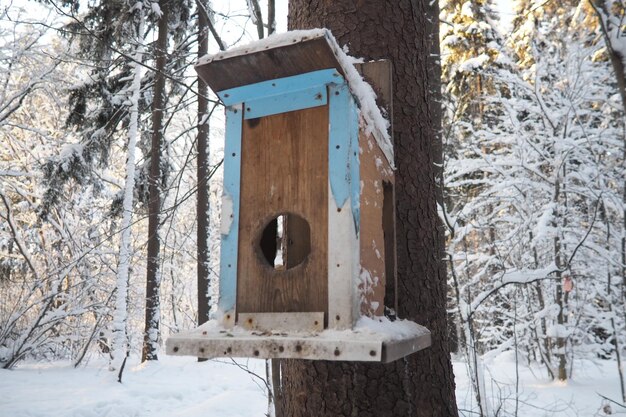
311	55
378	74
374	244
284	170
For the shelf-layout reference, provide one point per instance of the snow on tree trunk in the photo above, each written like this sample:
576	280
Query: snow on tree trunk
120	348
203	205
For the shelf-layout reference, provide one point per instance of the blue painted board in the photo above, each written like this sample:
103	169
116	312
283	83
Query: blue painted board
232	186
339	142
298	100
343	149
280	86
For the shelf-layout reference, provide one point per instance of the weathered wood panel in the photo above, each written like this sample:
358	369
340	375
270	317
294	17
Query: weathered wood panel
284	170
378	74
283	322
285	61
377	235
213	341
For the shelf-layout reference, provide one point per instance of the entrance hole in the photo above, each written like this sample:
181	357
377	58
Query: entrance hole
285	241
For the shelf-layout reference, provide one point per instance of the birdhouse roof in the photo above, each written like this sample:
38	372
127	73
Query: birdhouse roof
293	53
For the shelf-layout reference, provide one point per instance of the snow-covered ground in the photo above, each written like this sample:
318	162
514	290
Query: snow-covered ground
183	387
172	387
537	395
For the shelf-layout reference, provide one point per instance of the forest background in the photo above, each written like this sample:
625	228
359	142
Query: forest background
111	146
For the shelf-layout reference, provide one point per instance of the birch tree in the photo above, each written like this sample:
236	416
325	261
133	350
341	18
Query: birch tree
121	348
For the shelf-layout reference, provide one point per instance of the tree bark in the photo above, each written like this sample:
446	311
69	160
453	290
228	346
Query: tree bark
405	31
202	203
153	276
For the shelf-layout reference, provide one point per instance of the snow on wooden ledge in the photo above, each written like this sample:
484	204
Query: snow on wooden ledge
372	340
365	96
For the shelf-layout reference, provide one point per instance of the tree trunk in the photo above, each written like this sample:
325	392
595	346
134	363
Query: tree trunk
153	277
421	384
202	143
616	52
120	317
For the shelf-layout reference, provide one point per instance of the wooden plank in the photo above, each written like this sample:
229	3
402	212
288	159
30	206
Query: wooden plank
343	209
343	266
297	100
379	74
378	250
396	349
341	348
377	240
363	344
284	170
310	55
230	215
280	87
288	322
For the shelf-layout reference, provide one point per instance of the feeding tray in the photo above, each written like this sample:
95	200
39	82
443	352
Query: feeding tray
308	255
368	341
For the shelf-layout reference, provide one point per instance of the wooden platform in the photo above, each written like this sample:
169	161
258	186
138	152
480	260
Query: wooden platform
365	344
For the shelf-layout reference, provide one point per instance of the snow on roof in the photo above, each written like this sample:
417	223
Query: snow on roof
375	122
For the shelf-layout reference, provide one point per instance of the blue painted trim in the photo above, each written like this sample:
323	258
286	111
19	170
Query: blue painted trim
339	143
232	186
343	150
280	86
298	100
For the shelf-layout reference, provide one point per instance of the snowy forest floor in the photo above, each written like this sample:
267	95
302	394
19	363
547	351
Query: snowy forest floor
183	387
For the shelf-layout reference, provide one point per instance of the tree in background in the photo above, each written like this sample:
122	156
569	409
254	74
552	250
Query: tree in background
422	384
538	182
48	278
610	16
153	276
120	346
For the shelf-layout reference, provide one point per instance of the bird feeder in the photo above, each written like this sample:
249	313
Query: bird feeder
308	257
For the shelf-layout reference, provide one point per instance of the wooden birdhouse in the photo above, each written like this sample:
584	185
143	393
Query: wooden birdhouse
308	257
